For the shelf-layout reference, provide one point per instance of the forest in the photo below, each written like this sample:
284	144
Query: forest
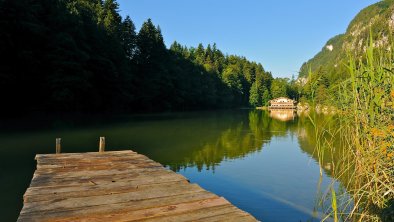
81	56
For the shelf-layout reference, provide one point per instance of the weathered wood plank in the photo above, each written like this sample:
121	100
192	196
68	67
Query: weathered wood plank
118	186
96	190
95	161
47	158
78	202
137	175
157	212
102	156
123	206
81	173
96	167
93	183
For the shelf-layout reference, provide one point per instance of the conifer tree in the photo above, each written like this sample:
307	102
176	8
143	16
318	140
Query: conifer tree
128	37
110	17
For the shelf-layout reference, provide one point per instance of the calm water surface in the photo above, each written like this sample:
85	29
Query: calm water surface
263	163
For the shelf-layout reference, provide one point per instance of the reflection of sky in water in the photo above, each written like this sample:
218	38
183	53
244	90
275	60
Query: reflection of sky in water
279	183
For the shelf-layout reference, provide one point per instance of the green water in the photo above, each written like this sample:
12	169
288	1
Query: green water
265	166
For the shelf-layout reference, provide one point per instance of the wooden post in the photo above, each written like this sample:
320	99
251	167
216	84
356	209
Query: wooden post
58	145
102	145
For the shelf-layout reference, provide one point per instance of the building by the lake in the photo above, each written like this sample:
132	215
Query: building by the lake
282	103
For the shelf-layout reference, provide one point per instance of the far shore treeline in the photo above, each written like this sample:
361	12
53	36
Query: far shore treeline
81	56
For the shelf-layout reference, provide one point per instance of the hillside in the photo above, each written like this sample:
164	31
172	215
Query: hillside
377	18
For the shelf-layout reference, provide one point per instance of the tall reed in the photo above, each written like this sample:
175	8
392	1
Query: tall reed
367	120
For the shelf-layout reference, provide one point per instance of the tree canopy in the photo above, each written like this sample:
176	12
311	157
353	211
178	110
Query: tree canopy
82	56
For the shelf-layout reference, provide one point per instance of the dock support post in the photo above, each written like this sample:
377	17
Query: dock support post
58	145
102	145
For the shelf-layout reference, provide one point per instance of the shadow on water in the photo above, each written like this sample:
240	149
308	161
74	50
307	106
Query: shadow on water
264	163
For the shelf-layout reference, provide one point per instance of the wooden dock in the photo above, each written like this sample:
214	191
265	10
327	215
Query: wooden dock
118	186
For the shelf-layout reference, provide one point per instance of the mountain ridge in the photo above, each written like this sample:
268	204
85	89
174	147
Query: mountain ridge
377	19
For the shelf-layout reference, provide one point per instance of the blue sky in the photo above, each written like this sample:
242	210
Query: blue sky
281	35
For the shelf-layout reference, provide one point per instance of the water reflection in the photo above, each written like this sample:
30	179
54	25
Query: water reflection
283	114
250	135
238	140
244	137
265	163
284	147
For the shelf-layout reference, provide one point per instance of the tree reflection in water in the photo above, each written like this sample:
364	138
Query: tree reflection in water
250	135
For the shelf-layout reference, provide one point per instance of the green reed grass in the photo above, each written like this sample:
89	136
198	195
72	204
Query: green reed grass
367	120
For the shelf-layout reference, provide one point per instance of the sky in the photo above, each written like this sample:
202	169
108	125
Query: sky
281	35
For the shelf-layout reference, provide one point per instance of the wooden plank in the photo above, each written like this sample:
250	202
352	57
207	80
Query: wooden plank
96	167
97	160
96	190
118	186
124	206
93	183
81	173
61	166
78	202
137	175
41	158
157	212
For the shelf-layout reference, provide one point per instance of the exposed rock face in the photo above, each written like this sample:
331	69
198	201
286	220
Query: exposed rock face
302	81
358	39
330	47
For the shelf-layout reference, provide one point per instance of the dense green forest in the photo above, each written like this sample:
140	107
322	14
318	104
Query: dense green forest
81	56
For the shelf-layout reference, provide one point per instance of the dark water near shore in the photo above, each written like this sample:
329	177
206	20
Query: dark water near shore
264	165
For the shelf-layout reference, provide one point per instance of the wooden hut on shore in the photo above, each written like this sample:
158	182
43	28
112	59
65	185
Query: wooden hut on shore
282	103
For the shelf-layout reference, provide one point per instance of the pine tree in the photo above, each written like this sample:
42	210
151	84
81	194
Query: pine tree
128	37
110	17
200	54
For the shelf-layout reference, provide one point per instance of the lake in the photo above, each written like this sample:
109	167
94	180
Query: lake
264	163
